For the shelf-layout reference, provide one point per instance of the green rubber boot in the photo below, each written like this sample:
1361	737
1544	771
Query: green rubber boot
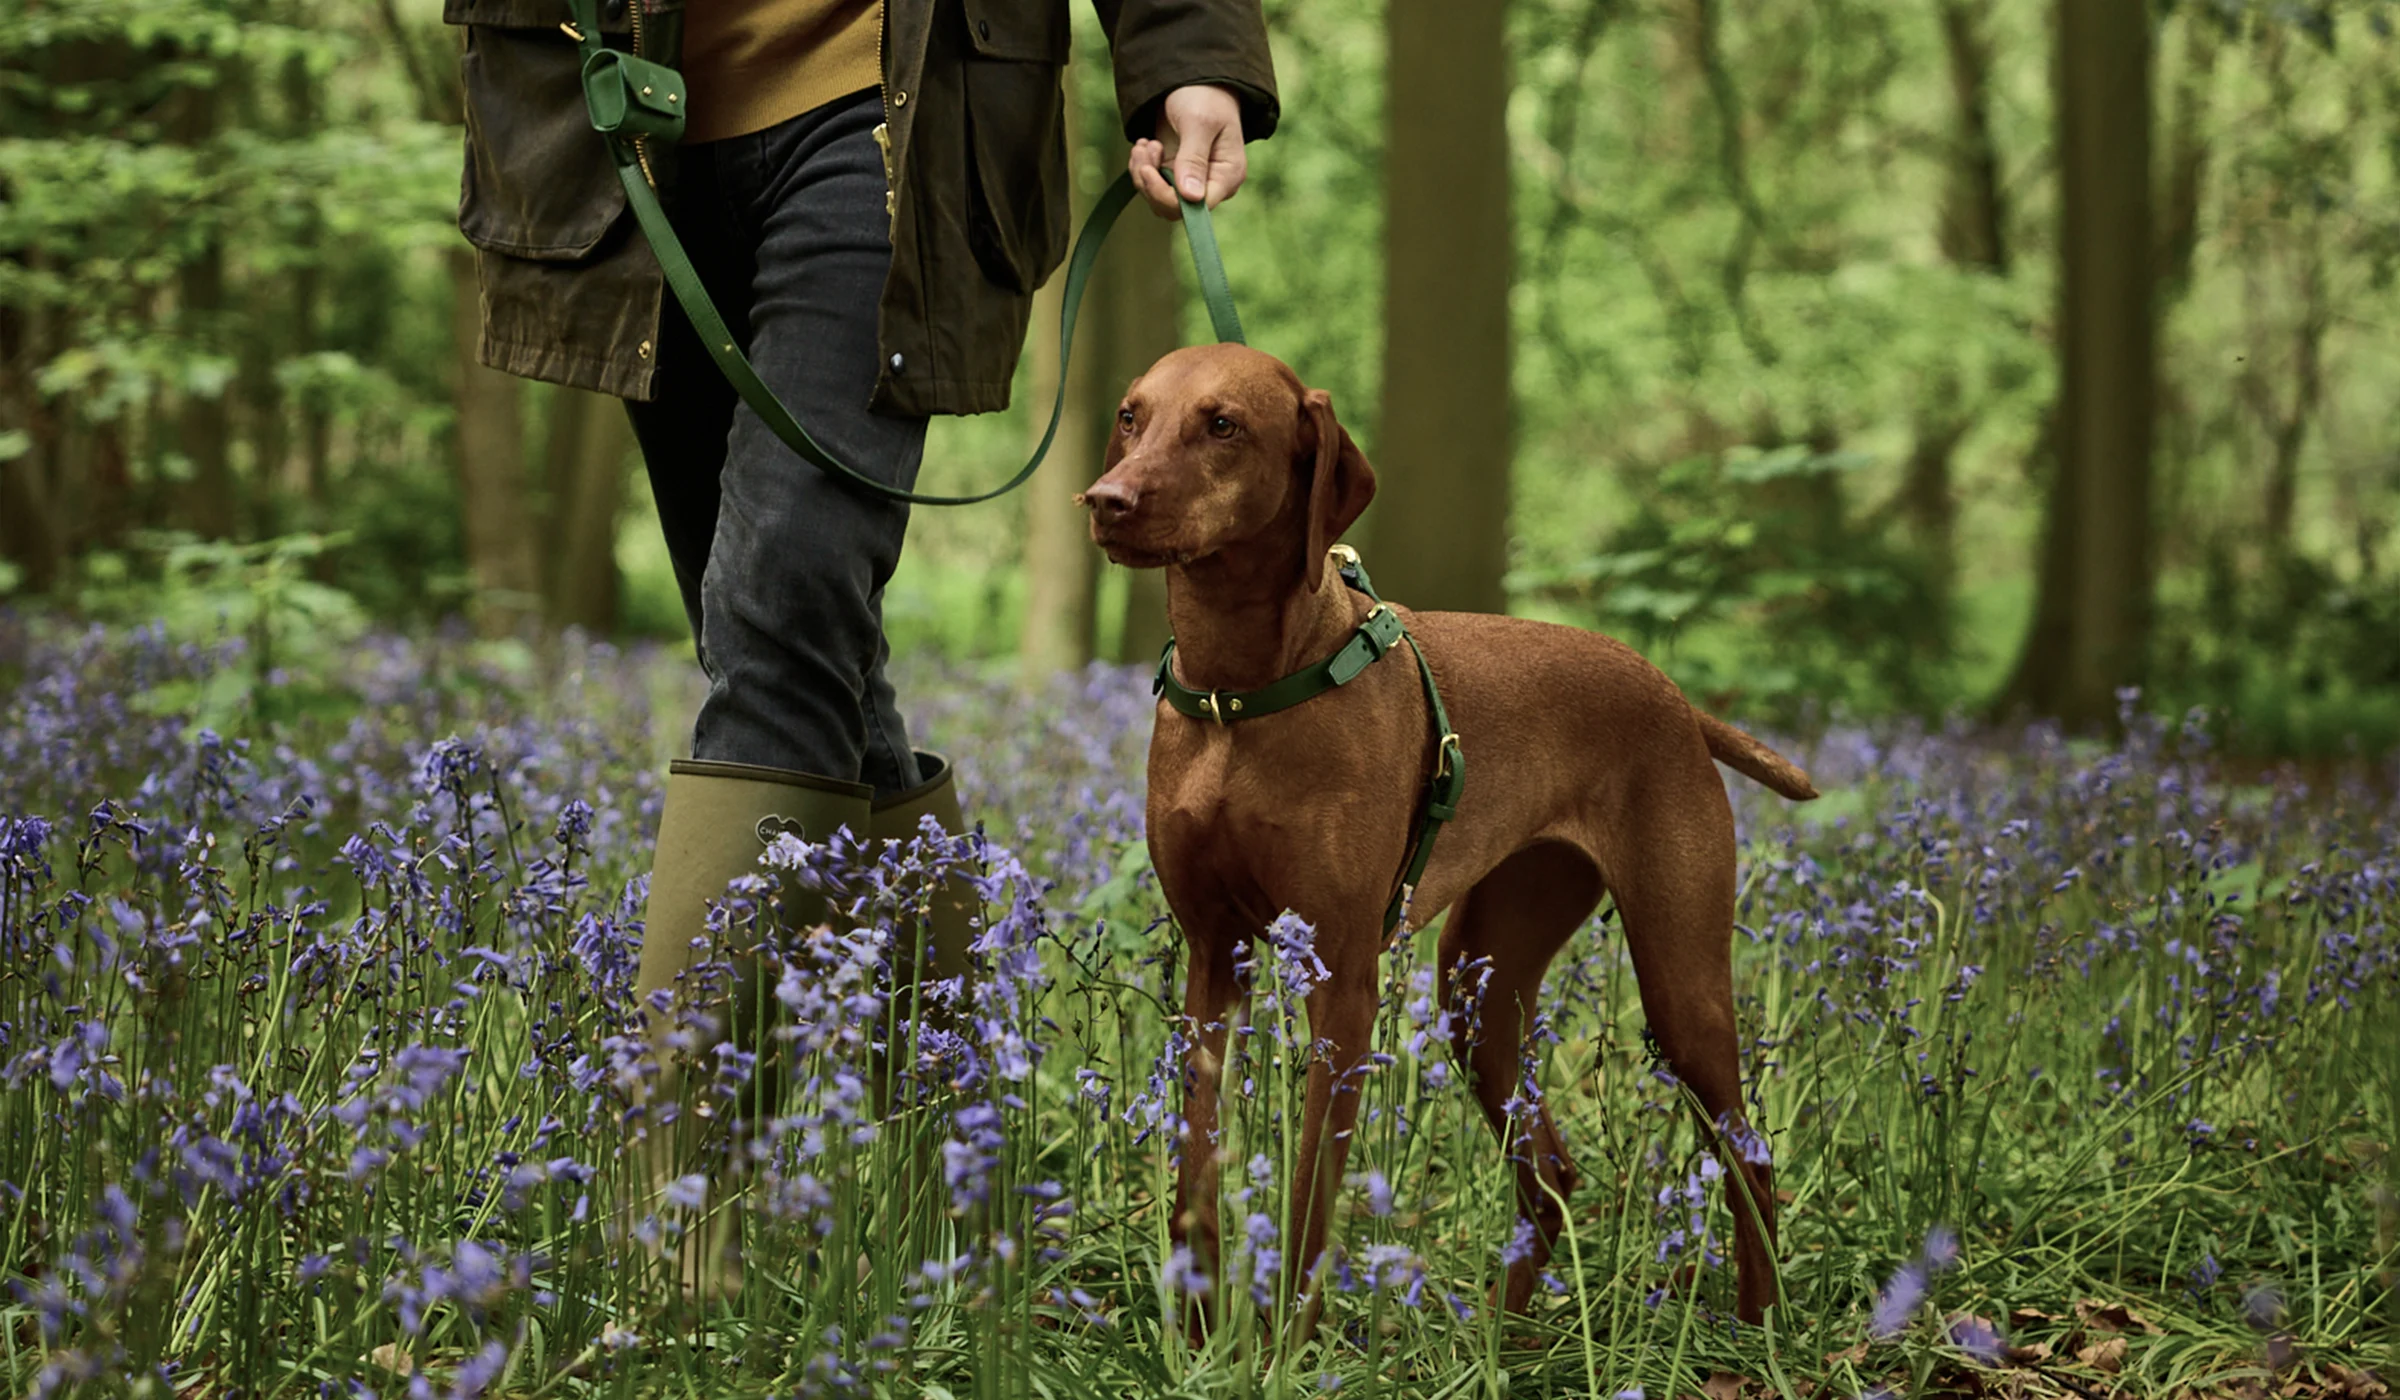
949	924
719	818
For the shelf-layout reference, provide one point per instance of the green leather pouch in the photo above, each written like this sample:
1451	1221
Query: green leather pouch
631	96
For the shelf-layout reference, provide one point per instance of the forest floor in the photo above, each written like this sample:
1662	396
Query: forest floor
320	1072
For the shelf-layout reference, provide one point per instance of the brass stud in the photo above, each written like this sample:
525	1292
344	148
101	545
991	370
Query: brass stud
643	349
900	98
646	89
1237	706
674	97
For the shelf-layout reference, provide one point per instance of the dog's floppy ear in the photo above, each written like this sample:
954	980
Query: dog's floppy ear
1339	484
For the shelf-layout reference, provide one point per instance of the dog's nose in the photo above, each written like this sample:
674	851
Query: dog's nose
1110	500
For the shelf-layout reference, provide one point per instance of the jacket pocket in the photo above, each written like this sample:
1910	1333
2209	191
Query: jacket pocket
1018	213
539	182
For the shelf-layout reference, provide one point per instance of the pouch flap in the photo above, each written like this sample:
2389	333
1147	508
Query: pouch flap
633	95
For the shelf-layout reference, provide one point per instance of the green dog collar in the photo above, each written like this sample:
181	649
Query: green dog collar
1373	638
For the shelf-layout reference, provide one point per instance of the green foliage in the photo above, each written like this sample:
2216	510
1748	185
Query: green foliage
225	222
1758	542
202	592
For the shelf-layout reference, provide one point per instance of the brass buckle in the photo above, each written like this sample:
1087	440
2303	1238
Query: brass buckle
571	31
1450	745
1343	552
1214	712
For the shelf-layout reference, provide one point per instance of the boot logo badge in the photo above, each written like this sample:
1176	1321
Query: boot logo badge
771	826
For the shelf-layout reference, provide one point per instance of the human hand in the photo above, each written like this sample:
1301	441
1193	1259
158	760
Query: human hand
1200	131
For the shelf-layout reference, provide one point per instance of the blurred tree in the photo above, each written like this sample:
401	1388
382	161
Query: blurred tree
2090	634
1445	435
1142	296
588	449
1974	237
1061	568
494	496
1131	312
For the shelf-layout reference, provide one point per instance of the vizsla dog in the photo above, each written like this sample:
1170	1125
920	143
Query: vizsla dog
1590	773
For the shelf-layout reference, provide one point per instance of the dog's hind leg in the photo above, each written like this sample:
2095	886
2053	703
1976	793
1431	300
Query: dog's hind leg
1495	948
1676	898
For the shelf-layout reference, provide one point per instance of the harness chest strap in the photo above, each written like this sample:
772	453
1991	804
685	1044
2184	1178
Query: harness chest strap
1374	637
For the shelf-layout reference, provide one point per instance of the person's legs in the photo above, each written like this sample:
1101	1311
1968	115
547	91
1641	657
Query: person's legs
791	604
684	427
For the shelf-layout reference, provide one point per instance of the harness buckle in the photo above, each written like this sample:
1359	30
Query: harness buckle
1344	553
1450	747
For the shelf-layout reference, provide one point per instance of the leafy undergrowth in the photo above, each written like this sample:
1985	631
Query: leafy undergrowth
323	1076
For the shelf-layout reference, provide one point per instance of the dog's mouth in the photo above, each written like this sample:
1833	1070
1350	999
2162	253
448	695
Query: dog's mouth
1132	554
1131	557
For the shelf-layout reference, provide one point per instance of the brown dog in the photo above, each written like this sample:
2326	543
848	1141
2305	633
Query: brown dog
1590	773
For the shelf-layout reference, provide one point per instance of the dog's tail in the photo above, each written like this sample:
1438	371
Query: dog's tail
1754	760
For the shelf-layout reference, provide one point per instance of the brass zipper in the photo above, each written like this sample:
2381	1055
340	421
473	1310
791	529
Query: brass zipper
641	144
883	129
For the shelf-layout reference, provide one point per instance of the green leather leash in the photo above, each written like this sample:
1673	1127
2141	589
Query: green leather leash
630	98
1373	639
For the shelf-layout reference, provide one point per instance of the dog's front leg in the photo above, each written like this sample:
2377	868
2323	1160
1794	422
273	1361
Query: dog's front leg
1341	1020
1208	997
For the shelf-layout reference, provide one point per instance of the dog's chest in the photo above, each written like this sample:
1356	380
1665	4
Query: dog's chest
1265	824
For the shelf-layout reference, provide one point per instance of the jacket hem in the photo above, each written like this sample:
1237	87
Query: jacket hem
554	365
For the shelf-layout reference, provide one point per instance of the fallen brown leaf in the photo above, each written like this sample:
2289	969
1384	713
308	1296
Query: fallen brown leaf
2113	1317
391	1358
1725	1385
2107	1357
2355	1385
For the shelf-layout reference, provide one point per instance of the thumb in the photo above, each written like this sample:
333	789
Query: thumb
1191	168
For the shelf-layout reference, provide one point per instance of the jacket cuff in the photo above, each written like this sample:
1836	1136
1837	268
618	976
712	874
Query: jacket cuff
1261	111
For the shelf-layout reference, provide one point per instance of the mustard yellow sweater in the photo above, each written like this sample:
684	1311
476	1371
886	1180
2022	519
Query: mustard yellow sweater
749	64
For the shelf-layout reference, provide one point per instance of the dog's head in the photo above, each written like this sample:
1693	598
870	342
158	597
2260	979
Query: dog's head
1220	447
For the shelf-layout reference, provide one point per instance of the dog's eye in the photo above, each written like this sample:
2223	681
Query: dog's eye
1125	419
1220	426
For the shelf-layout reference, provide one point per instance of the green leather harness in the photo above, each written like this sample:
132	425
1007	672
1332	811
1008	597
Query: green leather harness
631	98
1368	644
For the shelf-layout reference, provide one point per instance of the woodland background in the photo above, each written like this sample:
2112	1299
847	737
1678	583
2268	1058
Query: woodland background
1863	357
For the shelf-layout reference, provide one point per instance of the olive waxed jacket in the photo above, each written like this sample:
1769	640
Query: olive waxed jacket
976	161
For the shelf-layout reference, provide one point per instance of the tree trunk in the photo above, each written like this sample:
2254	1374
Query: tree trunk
202	430
1138	299
32	534
1061	567
1974	208
588	451
2187	156
1444	439
2092	615
1974	235
490	446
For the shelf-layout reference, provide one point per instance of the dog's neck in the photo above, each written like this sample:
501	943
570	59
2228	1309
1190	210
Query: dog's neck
1245	618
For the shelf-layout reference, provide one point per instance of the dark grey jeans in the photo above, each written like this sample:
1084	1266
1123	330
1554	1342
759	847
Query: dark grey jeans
782	568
